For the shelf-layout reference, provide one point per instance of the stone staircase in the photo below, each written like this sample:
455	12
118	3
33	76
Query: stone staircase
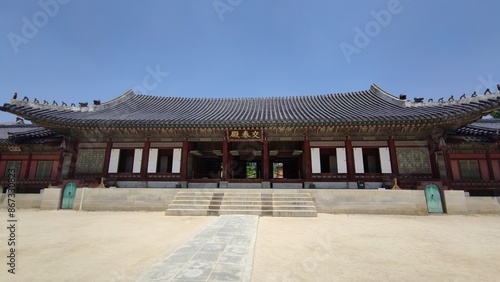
235	202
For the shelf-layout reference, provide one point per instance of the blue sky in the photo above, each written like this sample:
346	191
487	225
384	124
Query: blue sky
78	51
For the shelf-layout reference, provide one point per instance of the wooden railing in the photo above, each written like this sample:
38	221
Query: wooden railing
164	176
373	176
474	184
28	182
330	176
96	176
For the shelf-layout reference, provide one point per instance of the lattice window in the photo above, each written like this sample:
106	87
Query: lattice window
43	170
65	166
469	170
413	160
15	165
90	161
441	166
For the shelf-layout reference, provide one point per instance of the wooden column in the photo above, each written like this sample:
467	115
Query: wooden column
434	165
307	160
394	157
60	166
184	160
225	159
265	159
434	160
350	160
145	160
107	156
28	167
447	163
490	167
3	166
74	157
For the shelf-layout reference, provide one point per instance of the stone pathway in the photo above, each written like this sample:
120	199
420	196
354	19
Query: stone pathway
222	251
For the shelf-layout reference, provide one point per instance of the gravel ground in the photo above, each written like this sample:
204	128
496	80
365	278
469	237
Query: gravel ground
117	246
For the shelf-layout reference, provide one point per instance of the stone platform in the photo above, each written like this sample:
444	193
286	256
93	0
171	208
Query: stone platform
335	201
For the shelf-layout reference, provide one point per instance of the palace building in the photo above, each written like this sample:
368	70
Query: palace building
361	139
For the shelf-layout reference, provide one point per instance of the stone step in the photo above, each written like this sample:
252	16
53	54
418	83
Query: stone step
206	198
195	194
193	207
243	202
193	202
262	204
294	213
243	198
298	203
249	212
232	194
276	213
186	212
281	208
243	207
291	194
280	205
291	199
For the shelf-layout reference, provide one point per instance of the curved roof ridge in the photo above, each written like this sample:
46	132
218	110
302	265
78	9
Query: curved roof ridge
26	125
386	96
488	120
125	96
460	101
481	127
361	108
73	108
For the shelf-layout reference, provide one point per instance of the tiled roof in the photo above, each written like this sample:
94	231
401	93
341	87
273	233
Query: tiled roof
18	133
481	131
369	107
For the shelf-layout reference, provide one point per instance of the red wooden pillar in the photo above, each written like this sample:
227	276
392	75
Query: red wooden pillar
225	159
490	166
350	160
447	163
265	159
107	157
394	157
74	157
145	160
433	158
54	174
32	169
60	167
184	160
3	165
307	160
28	166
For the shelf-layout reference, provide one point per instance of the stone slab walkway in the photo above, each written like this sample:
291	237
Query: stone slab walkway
222	251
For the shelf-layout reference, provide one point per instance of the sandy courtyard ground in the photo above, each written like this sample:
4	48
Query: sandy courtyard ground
117	246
